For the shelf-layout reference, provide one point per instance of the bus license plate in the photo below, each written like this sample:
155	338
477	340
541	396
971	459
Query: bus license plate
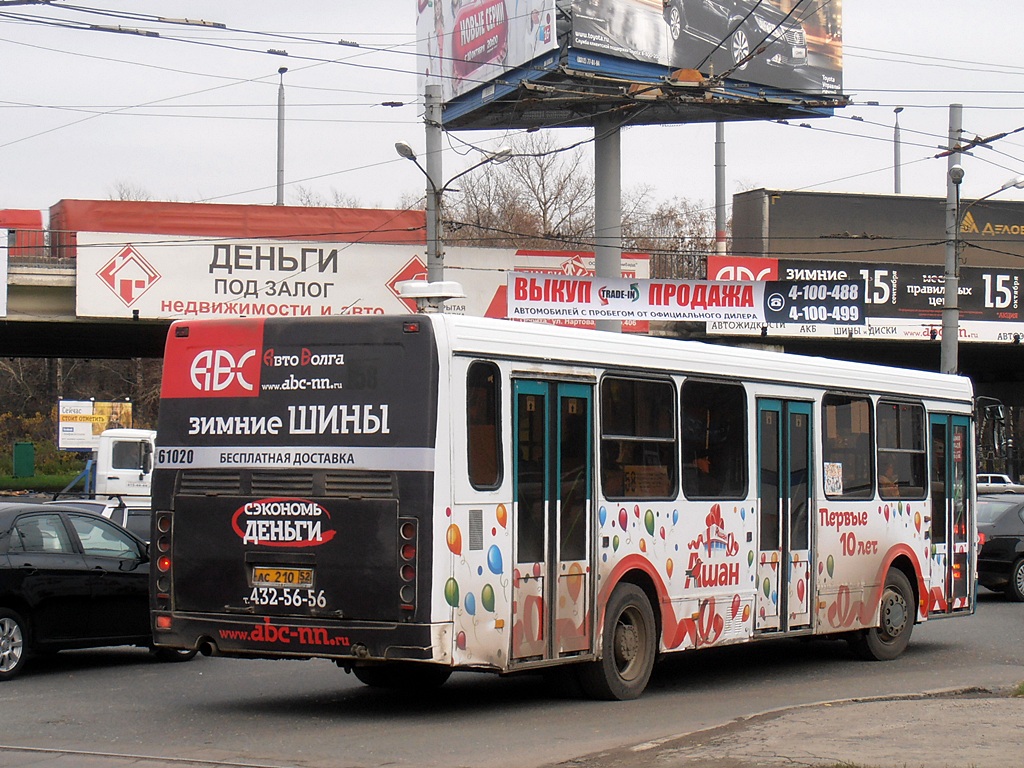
282	577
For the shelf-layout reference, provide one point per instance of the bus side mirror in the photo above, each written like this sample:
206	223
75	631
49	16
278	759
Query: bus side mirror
147	458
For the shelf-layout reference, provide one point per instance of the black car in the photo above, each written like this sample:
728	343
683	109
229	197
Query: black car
1001	557
69	579
742	31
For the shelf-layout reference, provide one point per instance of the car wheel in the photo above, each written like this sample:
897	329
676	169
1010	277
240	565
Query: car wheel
629	648
739	47
1015	586
896	621
676	19
174	654
13	634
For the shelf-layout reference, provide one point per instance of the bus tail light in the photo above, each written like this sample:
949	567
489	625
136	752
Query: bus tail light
162	577
408	534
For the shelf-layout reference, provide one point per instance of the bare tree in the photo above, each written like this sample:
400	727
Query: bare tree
544	198
541	197
310	198
677	233
125	190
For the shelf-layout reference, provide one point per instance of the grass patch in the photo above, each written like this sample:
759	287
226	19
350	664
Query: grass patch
1018	691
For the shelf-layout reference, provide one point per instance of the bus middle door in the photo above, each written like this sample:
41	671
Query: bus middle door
784	496
553	465
951	516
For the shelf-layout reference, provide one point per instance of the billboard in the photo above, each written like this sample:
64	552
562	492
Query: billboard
80	422
793	45
537	63
902	302
466	43
755	303
166	277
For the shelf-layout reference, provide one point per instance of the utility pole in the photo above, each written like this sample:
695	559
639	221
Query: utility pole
280	136
948	350
432	170
720	207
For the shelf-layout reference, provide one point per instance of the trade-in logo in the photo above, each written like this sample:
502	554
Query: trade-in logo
128	275
606	294
283	522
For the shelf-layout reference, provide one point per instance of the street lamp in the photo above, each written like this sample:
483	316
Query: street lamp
950	304
435	227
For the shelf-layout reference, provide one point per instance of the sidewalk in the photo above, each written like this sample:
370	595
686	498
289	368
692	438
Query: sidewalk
962	728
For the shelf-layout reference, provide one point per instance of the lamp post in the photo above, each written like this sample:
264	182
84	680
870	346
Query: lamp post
435	192
280	136
950	324
896	151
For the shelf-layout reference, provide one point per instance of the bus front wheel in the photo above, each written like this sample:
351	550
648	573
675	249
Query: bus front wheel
628	649
896	621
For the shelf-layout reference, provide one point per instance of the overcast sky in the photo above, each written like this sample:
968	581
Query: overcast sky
191	115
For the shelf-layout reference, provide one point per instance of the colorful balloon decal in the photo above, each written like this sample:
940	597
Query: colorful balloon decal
649	522
623	518
487	598
494	559
470	604
451	593
830	564
454	539
602	515
460	641
669	567
502	514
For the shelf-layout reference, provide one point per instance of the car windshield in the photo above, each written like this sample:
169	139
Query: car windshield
990	510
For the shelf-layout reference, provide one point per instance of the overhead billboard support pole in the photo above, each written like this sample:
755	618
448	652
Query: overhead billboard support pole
608	206
948	351
720	206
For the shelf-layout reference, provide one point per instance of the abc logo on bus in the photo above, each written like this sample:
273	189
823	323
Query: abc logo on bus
217	370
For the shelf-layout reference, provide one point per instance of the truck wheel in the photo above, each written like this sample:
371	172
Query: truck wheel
1015	586
628	649
896	621
13	651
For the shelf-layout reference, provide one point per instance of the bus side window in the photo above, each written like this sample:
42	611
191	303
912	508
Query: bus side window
638	442
483	425
714	440
902	461
847	441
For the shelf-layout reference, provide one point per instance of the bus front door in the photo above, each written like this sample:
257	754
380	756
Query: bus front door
949	587
784	450
551	582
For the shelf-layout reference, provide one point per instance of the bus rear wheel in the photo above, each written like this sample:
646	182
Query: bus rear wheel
628	649
896	621
403	676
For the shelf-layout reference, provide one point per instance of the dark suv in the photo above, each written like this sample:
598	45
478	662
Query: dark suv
729	31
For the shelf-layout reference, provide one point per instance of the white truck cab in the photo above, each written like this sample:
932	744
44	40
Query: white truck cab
124	464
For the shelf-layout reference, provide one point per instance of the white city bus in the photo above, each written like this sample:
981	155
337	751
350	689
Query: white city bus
409	496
